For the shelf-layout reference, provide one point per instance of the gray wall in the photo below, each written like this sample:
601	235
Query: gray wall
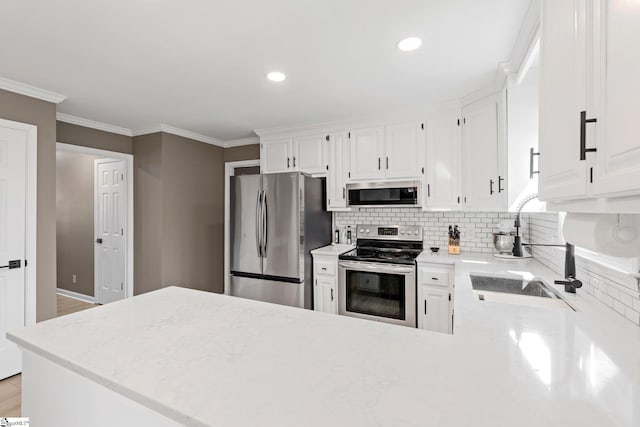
147	205
244	152
74	221
23	109
193	209
87	137
179	211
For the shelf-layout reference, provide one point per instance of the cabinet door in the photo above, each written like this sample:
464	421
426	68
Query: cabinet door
338	169
326	295
434	309
617	168
404	150
276	156
309	154
366	153
442	187
484	186
562	96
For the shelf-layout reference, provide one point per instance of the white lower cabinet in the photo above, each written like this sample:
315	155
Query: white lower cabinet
435	297
325	283
326	294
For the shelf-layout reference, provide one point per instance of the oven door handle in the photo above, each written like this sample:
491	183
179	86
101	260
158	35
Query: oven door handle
378	268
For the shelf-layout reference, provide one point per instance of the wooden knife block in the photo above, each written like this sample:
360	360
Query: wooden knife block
454	246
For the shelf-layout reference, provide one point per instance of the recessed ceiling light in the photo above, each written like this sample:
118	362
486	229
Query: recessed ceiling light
276	76
410	43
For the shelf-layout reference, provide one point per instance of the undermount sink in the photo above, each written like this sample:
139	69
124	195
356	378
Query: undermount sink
516	286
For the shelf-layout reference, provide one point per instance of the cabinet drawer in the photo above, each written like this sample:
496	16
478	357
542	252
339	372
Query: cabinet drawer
436	278
322	267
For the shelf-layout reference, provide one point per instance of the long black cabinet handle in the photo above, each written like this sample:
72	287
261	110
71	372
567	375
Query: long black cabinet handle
387	163
379	163
532	172
583	135
500	179
491	186
425	307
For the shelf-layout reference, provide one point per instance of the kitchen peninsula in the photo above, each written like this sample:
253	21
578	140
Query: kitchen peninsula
184	357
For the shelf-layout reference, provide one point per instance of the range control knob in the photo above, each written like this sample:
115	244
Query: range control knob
362	230
367	231
415	232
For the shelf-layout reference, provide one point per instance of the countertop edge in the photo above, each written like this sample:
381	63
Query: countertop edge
111	385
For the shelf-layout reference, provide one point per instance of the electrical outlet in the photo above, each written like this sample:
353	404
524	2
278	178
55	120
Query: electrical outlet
73	278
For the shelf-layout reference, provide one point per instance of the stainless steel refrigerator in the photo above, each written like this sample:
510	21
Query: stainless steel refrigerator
276	221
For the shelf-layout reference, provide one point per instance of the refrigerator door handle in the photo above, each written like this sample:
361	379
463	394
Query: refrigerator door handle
265	224
258	223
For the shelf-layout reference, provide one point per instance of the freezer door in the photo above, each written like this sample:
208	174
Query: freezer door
282	256
284	293
246	220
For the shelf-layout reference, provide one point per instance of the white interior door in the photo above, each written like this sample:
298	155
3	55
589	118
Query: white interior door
13	145
110	227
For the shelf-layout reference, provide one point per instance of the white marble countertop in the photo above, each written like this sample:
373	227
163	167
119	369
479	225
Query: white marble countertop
333	249
205	359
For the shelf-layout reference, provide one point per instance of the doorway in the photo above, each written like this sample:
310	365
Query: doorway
94	215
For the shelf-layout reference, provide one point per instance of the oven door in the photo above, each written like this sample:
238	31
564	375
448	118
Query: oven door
378	291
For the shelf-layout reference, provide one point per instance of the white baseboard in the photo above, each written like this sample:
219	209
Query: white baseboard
75	295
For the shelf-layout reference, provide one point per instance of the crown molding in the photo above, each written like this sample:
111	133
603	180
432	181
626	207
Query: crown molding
74	120
178	132
239	142
361	121
31	91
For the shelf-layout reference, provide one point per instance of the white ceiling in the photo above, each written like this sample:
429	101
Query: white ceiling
200	64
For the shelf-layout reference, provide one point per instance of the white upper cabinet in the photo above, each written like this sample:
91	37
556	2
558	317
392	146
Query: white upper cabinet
276	155
367	150
338	169
404	150
301	153
484	155
442	185
563	87
309	154
617	69
589	99
393	152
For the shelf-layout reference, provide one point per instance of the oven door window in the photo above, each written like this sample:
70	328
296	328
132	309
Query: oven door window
376	294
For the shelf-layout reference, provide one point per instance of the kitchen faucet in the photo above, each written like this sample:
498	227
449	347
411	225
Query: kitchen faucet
570	283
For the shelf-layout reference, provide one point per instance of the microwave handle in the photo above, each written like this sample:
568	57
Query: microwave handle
375	268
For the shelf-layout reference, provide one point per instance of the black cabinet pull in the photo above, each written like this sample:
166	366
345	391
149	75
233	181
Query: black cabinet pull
344	193
491	186
288	163
331	294
294	161
425	307
378	163
12	265
387	163
99	241
500	179
583	135
428	190
531	155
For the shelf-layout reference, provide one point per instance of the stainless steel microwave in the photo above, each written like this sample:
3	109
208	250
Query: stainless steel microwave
389	194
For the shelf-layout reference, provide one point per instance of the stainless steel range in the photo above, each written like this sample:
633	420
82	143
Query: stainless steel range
377	280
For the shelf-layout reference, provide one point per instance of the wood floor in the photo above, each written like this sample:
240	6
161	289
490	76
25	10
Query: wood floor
11	388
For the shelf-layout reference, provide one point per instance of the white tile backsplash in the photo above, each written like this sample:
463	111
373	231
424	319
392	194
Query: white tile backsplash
476	227
615	289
